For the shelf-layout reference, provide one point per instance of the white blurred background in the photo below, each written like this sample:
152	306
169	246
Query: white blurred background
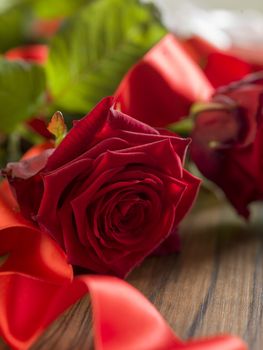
239	5
235	25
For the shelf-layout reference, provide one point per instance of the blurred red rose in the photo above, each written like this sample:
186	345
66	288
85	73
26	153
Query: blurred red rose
45	28
111	193
228	141
31	53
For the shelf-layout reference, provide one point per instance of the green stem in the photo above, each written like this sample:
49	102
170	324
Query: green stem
208	106
13	146
185	126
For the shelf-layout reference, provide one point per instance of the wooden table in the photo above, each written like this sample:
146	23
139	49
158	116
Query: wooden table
214	286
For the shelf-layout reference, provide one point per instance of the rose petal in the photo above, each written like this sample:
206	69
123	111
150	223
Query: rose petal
80	136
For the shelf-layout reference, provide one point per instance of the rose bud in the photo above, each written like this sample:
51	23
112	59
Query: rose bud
110	193
227	141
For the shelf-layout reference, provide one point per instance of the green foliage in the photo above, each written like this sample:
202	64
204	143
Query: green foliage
93	51
56	8
16	16
22	91
12	27
98	42
6	5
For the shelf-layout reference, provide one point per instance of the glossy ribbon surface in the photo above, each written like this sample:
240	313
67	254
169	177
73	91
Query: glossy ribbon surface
162	86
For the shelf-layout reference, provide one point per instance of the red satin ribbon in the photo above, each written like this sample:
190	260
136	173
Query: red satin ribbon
37	285
162	86
222	67
173	75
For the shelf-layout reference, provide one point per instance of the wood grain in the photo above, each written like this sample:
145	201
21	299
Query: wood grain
214	286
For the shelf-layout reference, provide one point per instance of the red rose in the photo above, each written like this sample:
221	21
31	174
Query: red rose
111	193
227	142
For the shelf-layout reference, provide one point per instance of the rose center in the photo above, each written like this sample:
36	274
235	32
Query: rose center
129	214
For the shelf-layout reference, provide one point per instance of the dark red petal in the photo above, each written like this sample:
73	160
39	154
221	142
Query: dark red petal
81	136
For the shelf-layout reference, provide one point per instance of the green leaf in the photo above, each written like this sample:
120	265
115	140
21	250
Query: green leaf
22	92
91	54
13	23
